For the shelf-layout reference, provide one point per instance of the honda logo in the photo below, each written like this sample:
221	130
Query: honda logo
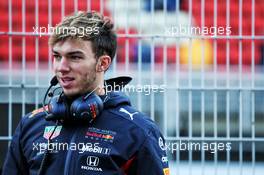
92	161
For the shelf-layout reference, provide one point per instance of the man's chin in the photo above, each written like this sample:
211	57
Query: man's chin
70	94
74	93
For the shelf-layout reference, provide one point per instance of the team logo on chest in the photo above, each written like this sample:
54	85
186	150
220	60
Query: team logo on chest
48	131
100	134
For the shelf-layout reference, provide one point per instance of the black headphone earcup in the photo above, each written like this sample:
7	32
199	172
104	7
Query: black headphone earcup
58	107
86	108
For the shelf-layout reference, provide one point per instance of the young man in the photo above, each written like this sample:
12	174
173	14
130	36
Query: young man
119	139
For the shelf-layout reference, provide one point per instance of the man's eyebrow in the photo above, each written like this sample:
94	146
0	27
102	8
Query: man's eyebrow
69	53
75	52
55	52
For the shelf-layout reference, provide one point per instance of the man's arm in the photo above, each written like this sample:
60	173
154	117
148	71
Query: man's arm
152	158
15	162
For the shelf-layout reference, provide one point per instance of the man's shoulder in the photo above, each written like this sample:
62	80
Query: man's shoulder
34	117
134	117
40	112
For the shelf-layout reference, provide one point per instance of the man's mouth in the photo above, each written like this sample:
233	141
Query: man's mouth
66	82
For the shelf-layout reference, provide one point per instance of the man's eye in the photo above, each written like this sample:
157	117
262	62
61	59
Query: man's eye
75	57
57	57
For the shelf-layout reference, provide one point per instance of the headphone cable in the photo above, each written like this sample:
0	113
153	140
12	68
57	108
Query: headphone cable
46	156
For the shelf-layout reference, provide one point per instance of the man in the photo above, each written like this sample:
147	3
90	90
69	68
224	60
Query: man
120	140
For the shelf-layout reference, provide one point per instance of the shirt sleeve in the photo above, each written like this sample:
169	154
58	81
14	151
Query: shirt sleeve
152	158
15	162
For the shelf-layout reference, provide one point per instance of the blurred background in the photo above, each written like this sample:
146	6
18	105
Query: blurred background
197	67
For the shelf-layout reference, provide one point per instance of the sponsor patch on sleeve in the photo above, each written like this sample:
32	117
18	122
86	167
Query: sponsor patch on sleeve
166	171
36	111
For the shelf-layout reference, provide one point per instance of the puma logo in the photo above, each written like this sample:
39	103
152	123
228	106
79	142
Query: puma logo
130	114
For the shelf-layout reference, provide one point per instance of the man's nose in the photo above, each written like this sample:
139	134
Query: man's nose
64	65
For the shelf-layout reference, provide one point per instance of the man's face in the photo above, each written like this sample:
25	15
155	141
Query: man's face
74	64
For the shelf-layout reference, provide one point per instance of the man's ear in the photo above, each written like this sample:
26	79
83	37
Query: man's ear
103	63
